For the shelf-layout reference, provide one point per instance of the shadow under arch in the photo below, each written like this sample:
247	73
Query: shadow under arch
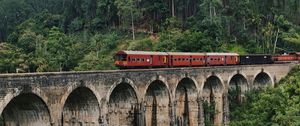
238	86
238	81
157	104
26	109
186	96
81	108
262	80
123	105
212	96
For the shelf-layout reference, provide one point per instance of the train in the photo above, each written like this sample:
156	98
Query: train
125	59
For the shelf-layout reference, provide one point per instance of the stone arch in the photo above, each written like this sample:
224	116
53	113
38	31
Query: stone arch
26	109
74	86
123	105
186	104
81	107
221	86
157	104
120	81
261	80
212	93
213	82
238	80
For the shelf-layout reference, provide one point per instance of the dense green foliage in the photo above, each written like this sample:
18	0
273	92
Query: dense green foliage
64	35
278	106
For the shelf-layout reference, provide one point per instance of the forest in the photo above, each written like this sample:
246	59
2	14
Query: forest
78	35
277	106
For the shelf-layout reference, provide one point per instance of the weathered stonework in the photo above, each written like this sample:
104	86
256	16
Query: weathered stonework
144	97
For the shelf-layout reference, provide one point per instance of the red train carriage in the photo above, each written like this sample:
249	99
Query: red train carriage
130	59
198	59
180	59
222	59
287	57
298	56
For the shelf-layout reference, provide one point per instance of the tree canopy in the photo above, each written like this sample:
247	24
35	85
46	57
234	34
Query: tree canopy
63	35
272	107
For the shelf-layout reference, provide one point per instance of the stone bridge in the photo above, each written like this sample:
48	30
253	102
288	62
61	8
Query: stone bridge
138	97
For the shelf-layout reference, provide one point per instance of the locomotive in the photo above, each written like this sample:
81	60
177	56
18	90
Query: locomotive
148	59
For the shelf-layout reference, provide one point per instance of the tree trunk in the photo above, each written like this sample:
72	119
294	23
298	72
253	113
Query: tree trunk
132	25
275	43
173	8
210	11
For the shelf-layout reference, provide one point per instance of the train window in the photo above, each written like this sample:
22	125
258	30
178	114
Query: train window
187	59
138	59
194	59
129	58
211	59
175	59
143	60
133	59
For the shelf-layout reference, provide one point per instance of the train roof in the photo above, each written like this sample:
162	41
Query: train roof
222	54
141	53
185	53
256	55
297	53
171	53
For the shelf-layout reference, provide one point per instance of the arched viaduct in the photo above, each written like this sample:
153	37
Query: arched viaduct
164	97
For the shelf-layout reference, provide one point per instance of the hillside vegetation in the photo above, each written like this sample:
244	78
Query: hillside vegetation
278	106
67	35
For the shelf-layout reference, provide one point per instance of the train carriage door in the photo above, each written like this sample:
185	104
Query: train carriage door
191	60
171	61
225	61
164	59
151	60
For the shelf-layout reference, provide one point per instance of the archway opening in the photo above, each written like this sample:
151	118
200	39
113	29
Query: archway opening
26	110
81	108
157	104
186	103
237	88
123	106
262	80
213	101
